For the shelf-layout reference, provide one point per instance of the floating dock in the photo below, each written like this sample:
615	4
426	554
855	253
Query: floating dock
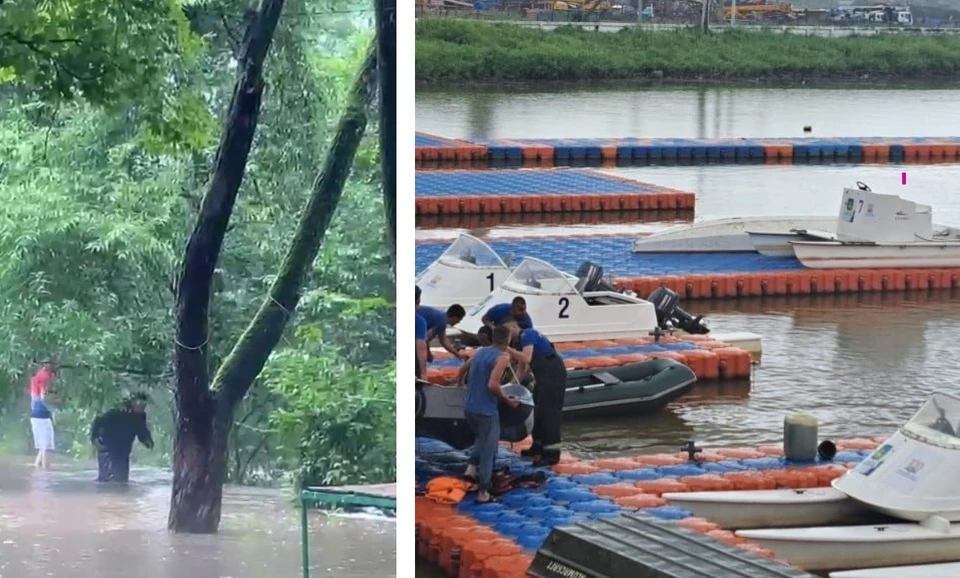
705	275
540	191
709	359
431	148
489	221
500	539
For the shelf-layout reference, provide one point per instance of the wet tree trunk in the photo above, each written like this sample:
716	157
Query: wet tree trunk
203	419
386	64
206	412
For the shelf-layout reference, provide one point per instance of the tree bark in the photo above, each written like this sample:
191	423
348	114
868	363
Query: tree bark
250	353
387	67
199	460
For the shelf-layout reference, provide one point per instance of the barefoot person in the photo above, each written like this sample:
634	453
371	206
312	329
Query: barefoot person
112	434
483	373
41	418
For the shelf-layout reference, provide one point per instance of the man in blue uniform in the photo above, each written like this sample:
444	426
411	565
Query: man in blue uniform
483	374
538	354
516	309
437	322
420	328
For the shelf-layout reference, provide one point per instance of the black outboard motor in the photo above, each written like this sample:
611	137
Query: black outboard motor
590	277
666	302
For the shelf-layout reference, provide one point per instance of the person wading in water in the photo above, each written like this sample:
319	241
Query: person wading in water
41	418
112	434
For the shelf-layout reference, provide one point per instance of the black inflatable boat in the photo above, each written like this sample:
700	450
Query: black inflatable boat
633	389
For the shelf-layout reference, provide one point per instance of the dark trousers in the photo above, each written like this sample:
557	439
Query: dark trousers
551	376
483	454
113	467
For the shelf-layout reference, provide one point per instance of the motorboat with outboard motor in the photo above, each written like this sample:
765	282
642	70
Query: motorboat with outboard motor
584	308
912	476
876	231
439	414
947	570
628	390
728	235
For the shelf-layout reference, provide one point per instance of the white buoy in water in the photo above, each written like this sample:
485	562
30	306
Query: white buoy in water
800	432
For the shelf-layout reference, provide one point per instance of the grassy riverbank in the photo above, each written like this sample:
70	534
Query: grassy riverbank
450	50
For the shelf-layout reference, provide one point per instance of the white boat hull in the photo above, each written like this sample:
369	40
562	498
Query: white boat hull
779	244
837	255
725	235
948	570
770	508
465	273
842	547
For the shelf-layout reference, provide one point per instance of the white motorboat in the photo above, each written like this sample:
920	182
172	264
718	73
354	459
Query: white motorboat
770	508
876	231
465	273
773	244
566	310
842	547
912	476
725	235
948	570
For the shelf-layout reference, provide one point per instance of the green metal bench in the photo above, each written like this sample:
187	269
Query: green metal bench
382	497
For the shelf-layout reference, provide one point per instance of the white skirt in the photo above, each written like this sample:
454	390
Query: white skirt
42	433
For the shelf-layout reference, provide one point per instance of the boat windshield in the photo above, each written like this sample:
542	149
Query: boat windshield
470	252
937	422
534	277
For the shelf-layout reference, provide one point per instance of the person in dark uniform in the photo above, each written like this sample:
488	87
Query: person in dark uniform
538	355
423	351
516	309
112	434
437	322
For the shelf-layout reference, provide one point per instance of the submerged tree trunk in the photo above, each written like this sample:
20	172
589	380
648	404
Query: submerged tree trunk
203	421
386	64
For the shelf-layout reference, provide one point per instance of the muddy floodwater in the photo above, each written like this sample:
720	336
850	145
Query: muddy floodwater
61	524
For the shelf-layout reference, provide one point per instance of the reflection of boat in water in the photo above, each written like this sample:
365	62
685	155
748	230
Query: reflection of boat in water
911	477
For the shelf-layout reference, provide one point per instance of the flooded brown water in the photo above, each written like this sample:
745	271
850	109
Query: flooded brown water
61	524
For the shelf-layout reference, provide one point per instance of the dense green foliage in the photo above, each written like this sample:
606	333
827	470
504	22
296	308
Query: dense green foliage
450	50
94	217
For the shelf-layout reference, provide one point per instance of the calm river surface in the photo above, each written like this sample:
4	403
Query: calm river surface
862	364
61	524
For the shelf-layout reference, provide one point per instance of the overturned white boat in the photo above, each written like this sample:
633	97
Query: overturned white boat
876	231
726	235
912	476
770	508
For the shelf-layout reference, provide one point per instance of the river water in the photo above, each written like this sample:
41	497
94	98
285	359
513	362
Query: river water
862	364
61	524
